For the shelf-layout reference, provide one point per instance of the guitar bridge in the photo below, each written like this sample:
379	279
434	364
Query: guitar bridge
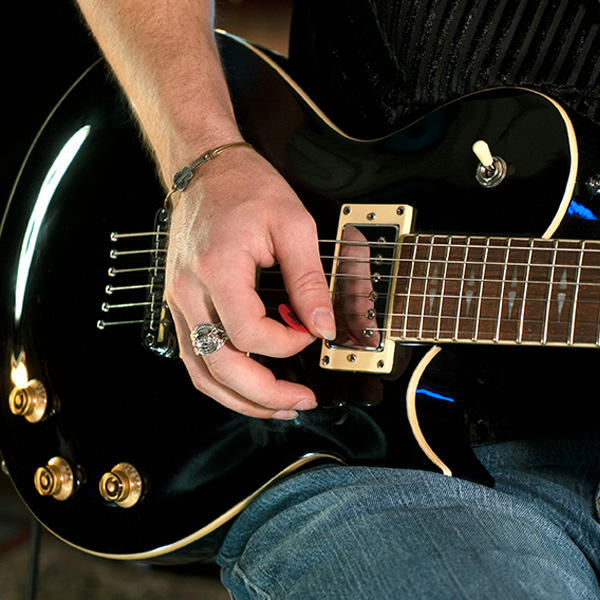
362	287
158	330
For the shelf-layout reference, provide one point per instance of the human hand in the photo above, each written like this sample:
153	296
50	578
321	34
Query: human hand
239	216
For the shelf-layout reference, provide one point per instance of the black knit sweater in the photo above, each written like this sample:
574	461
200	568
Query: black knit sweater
373	64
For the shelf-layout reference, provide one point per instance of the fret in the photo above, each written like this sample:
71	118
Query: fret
470	288
461	293
489	295
576	296
410	243
427	287
453	277
502	291
561	295
550	293
513	291
480	301
418	287
432	301
525	291
585	317
447	246
537	284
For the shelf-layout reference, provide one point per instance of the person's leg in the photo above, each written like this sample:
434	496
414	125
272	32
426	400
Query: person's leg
359	533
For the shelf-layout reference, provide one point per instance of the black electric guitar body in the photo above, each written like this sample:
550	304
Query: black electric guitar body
114	395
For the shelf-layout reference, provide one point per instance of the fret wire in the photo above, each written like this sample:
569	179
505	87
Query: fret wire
443	289
425	287
410	281
524	301
576	295
479	301
502	289
549	295
462	286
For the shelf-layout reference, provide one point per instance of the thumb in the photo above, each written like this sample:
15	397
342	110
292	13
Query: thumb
298	256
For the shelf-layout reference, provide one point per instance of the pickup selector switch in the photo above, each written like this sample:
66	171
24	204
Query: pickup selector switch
491	170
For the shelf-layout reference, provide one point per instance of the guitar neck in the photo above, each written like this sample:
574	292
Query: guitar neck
497	290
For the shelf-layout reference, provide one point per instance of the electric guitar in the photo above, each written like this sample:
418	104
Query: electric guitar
465	282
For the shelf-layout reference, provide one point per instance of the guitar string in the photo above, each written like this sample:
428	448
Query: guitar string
348	277
511	331
441	261
553	247
453	315
423	261
466	321
434	239
482	281
546	244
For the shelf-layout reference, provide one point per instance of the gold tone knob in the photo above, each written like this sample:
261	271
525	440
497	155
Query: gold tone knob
30	402
122	485
55	479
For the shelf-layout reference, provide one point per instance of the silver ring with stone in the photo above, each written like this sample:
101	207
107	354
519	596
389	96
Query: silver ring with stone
208	338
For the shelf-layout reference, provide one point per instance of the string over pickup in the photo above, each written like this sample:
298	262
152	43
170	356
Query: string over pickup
362	286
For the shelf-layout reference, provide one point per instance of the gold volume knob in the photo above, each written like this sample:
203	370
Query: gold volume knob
29	402
55	479
122	485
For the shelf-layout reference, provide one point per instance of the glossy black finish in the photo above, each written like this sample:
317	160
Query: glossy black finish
113	400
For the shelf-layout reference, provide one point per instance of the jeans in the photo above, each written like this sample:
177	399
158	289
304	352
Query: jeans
376	533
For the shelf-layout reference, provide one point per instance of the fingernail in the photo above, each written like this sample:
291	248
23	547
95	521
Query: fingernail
285	415
324	323
305	405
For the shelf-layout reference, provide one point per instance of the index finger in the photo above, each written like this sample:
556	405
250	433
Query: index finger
244	316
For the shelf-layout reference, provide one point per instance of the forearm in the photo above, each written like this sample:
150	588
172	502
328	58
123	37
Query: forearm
164	54
244	215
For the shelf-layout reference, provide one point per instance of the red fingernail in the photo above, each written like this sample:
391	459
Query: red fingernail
289	316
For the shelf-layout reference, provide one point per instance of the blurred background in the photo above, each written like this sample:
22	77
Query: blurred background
45	48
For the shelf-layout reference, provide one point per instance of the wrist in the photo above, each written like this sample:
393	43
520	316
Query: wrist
184	176
181	149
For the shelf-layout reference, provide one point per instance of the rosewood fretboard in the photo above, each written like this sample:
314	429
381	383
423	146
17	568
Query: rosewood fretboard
497	290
